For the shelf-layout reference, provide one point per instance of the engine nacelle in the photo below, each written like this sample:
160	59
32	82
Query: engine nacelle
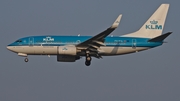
67	50
67	58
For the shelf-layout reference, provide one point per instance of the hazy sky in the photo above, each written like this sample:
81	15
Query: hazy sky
152	75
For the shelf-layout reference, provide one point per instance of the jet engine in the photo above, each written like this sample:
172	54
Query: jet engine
67	54
67	50
67	58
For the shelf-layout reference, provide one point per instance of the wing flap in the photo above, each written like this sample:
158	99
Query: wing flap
99	43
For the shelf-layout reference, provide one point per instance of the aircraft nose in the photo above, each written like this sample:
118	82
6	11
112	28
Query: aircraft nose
9	47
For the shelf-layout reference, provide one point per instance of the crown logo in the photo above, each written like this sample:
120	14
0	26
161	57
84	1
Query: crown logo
154	22
64	49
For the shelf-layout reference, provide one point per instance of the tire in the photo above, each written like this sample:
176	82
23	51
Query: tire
26	60
88	58
87	63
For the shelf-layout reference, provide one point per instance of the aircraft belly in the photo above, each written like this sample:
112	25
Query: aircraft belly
50	50
121	50
37	50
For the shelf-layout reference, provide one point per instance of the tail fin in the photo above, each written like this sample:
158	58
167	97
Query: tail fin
154	25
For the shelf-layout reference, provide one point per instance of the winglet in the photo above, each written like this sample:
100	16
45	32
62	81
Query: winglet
117	21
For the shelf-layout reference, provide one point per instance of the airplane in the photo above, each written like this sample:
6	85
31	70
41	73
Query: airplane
72	48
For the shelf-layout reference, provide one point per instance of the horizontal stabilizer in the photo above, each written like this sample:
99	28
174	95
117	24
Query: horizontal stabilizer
160	38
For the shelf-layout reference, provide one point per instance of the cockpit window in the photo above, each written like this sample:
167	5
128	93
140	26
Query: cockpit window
19	41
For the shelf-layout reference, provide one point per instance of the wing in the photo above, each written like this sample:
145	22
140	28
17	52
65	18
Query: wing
95	42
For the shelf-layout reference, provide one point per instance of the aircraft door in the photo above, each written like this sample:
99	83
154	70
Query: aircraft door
134	43
31	41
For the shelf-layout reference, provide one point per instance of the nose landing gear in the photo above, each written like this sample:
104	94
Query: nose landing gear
26	59
88	63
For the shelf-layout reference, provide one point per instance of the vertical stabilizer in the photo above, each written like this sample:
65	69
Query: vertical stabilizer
154	25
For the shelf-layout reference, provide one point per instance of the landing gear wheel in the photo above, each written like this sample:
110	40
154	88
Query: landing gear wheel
87	55
88	58
88	63
26	60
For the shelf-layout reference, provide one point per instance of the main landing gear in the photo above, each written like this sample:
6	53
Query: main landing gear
88	60
26	59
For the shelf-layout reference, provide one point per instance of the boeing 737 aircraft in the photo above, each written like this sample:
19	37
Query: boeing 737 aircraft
72	48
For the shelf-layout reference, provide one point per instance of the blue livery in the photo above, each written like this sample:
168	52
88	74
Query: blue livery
72	48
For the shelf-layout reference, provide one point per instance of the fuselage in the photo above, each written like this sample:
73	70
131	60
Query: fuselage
72	48
48	45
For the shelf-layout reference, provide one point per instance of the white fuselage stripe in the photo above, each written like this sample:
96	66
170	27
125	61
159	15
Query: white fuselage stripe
52	50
